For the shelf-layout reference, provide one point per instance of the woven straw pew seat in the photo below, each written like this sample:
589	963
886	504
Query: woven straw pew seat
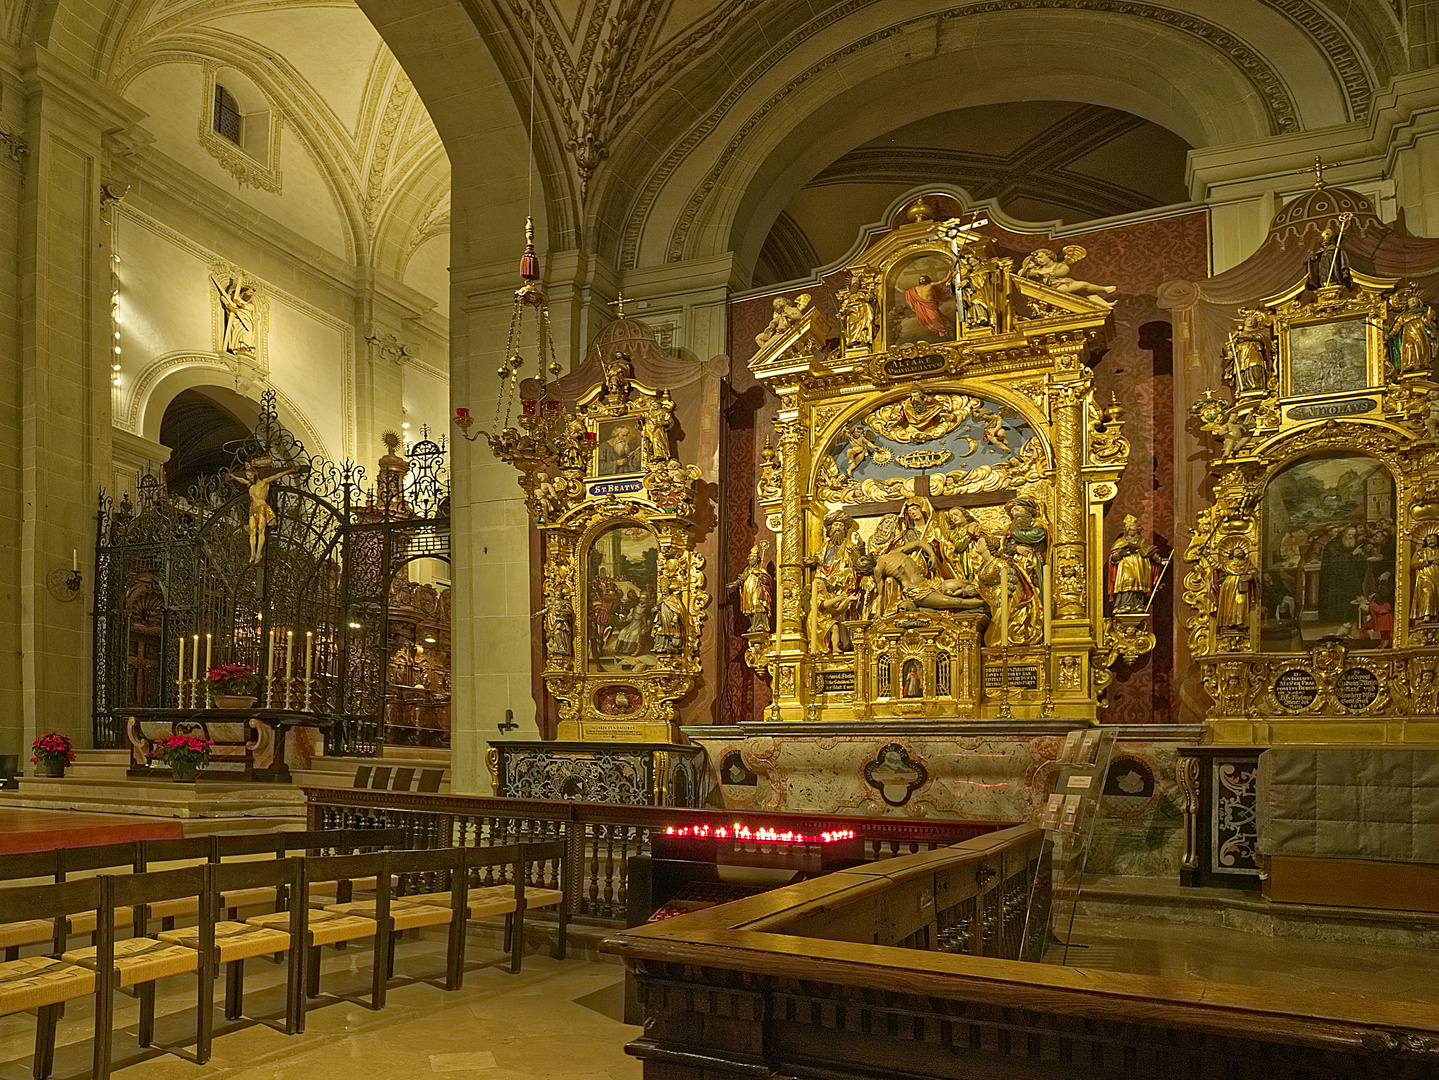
29	932
140	960
233	940
326	927
493	899
34	981
404	915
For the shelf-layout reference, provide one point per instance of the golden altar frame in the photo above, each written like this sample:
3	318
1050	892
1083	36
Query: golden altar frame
945	347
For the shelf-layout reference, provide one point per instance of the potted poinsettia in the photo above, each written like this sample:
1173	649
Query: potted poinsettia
233	686
52	752
184	754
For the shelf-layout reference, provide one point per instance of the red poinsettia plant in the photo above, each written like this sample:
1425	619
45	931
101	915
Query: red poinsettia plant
53	748
175	750
233	679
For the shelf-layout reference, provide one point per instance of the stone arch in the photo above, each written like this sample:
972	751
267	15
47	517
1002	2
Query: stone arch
167	379
742	163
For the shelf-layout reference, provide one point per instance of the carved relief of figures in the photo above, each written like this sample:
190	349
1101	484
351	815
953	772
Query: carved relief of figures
834	590
756	588
787	312
1132	560
1424	605
1027	539
992	575
921	417
1237	588
1248	352
1411	338
857	311
1042	266
237	300
770	474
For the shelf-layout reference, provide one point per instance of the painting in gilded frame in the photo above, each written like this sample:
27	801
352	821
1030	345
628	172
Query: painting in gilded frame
621	581
921	305
618	447
1327	567
1328	358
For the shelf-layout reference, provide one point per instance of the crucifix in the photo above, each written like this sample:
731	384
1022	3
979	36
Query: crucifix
953	231
618	303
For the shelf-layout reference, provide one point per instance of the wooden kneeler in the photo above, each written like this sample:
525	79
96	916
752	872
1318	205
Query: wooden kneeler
45	983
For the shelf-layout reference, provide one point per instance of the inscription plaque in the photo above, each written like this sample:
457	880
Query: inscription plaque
1295	690
831	682
901	366
1358	687
1021	677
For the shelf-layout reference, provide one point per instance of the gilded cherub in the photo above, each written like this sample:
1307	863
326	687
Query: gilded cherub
1042	266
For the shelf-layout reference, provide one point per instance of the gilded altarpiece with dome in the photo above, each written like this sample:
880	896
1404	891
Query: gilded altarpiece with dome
937	483
1313	580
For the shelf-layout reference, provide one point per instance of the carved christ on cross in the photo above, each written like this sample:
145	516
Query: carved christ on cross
261	513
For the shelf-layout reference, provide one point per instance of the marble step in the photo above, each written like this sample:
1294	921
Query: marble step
158	798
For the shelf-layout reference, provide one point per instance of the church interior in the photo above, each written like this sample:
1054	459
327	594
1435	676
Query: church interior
600	539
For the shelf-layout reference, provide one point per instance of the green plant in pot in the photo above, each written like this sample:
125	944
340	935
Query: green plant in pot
183	754
233	686
52	752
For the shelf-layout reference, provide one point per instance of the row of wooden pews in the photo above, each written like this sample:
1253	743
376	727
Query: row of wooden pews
311	890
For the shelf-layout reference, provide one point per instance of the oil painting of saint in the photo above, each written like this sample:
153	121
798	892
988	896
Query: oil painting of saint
1328	358
622	599
1328	555
921	303
618	452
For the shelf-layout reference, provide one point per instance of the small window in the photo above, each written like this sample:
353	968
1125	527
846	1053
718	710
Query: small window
227	115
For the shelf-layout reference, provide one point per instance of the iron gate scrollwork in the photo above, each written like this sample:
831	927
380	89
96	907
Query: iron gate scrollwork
174	567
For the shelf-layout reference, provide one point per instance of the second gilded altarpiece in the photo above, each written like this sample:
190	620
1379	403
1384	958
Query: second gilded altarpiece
937	485
1313	577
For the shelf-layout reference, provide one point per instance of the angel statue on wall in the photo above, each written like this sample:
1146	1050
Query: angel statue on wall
1246	353
1042	266
1412	336
755	589
258	479
237	299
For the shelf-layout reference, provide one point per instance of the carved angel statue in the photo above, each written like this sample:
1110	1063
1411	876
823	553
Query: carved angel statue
770	478
1411	339
1225	421
859	448
1431	414
787	312
755	590
1247	352
237	298
1042	266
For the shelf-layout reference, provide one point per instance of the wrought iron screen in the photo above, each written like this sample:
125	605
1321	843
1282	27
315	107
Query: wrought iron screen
170	568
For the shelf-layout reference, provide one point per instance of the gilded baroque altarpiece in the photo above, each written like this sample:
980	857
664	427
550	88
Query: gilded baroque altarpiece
1313	580
937	485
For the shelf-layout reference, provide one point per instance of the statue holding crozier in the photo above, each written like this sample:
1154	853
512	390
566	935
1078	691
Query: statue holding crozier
1132	560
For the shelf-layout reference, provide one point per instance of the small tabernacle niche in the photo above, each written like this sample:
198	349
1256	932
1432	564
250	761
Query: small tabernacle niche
1328	555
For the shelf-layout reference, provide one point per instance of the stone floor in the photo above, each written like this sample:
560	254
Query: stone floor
553	1021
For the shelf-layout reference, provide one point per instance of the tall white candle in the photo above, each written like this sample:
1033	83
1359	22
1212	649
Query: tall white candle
289	659
194	670
309	664
270	671
180	677
75	559
208	665
1044	579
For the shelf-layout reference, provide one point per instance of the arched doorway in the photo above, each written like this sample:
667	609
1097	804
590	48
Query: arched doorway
201	426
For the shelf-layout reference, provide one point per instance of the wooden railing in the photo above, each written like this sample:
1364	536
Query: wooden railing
821	979
599	837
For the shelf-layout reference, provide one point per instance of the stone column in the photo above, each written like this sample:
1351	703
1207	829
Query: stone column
64	428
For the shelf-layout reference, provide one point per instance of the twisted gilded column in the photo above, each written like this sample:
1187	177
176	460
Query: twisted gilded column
791	545
1067	413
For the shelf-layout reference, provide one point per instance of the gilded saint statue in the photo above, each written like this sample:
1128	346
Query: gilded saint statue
1424	606
1246	354
993	575
857	313
559	635
1237	588
1329	266
1412	337
834	592
755	590
1132	560
258	480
